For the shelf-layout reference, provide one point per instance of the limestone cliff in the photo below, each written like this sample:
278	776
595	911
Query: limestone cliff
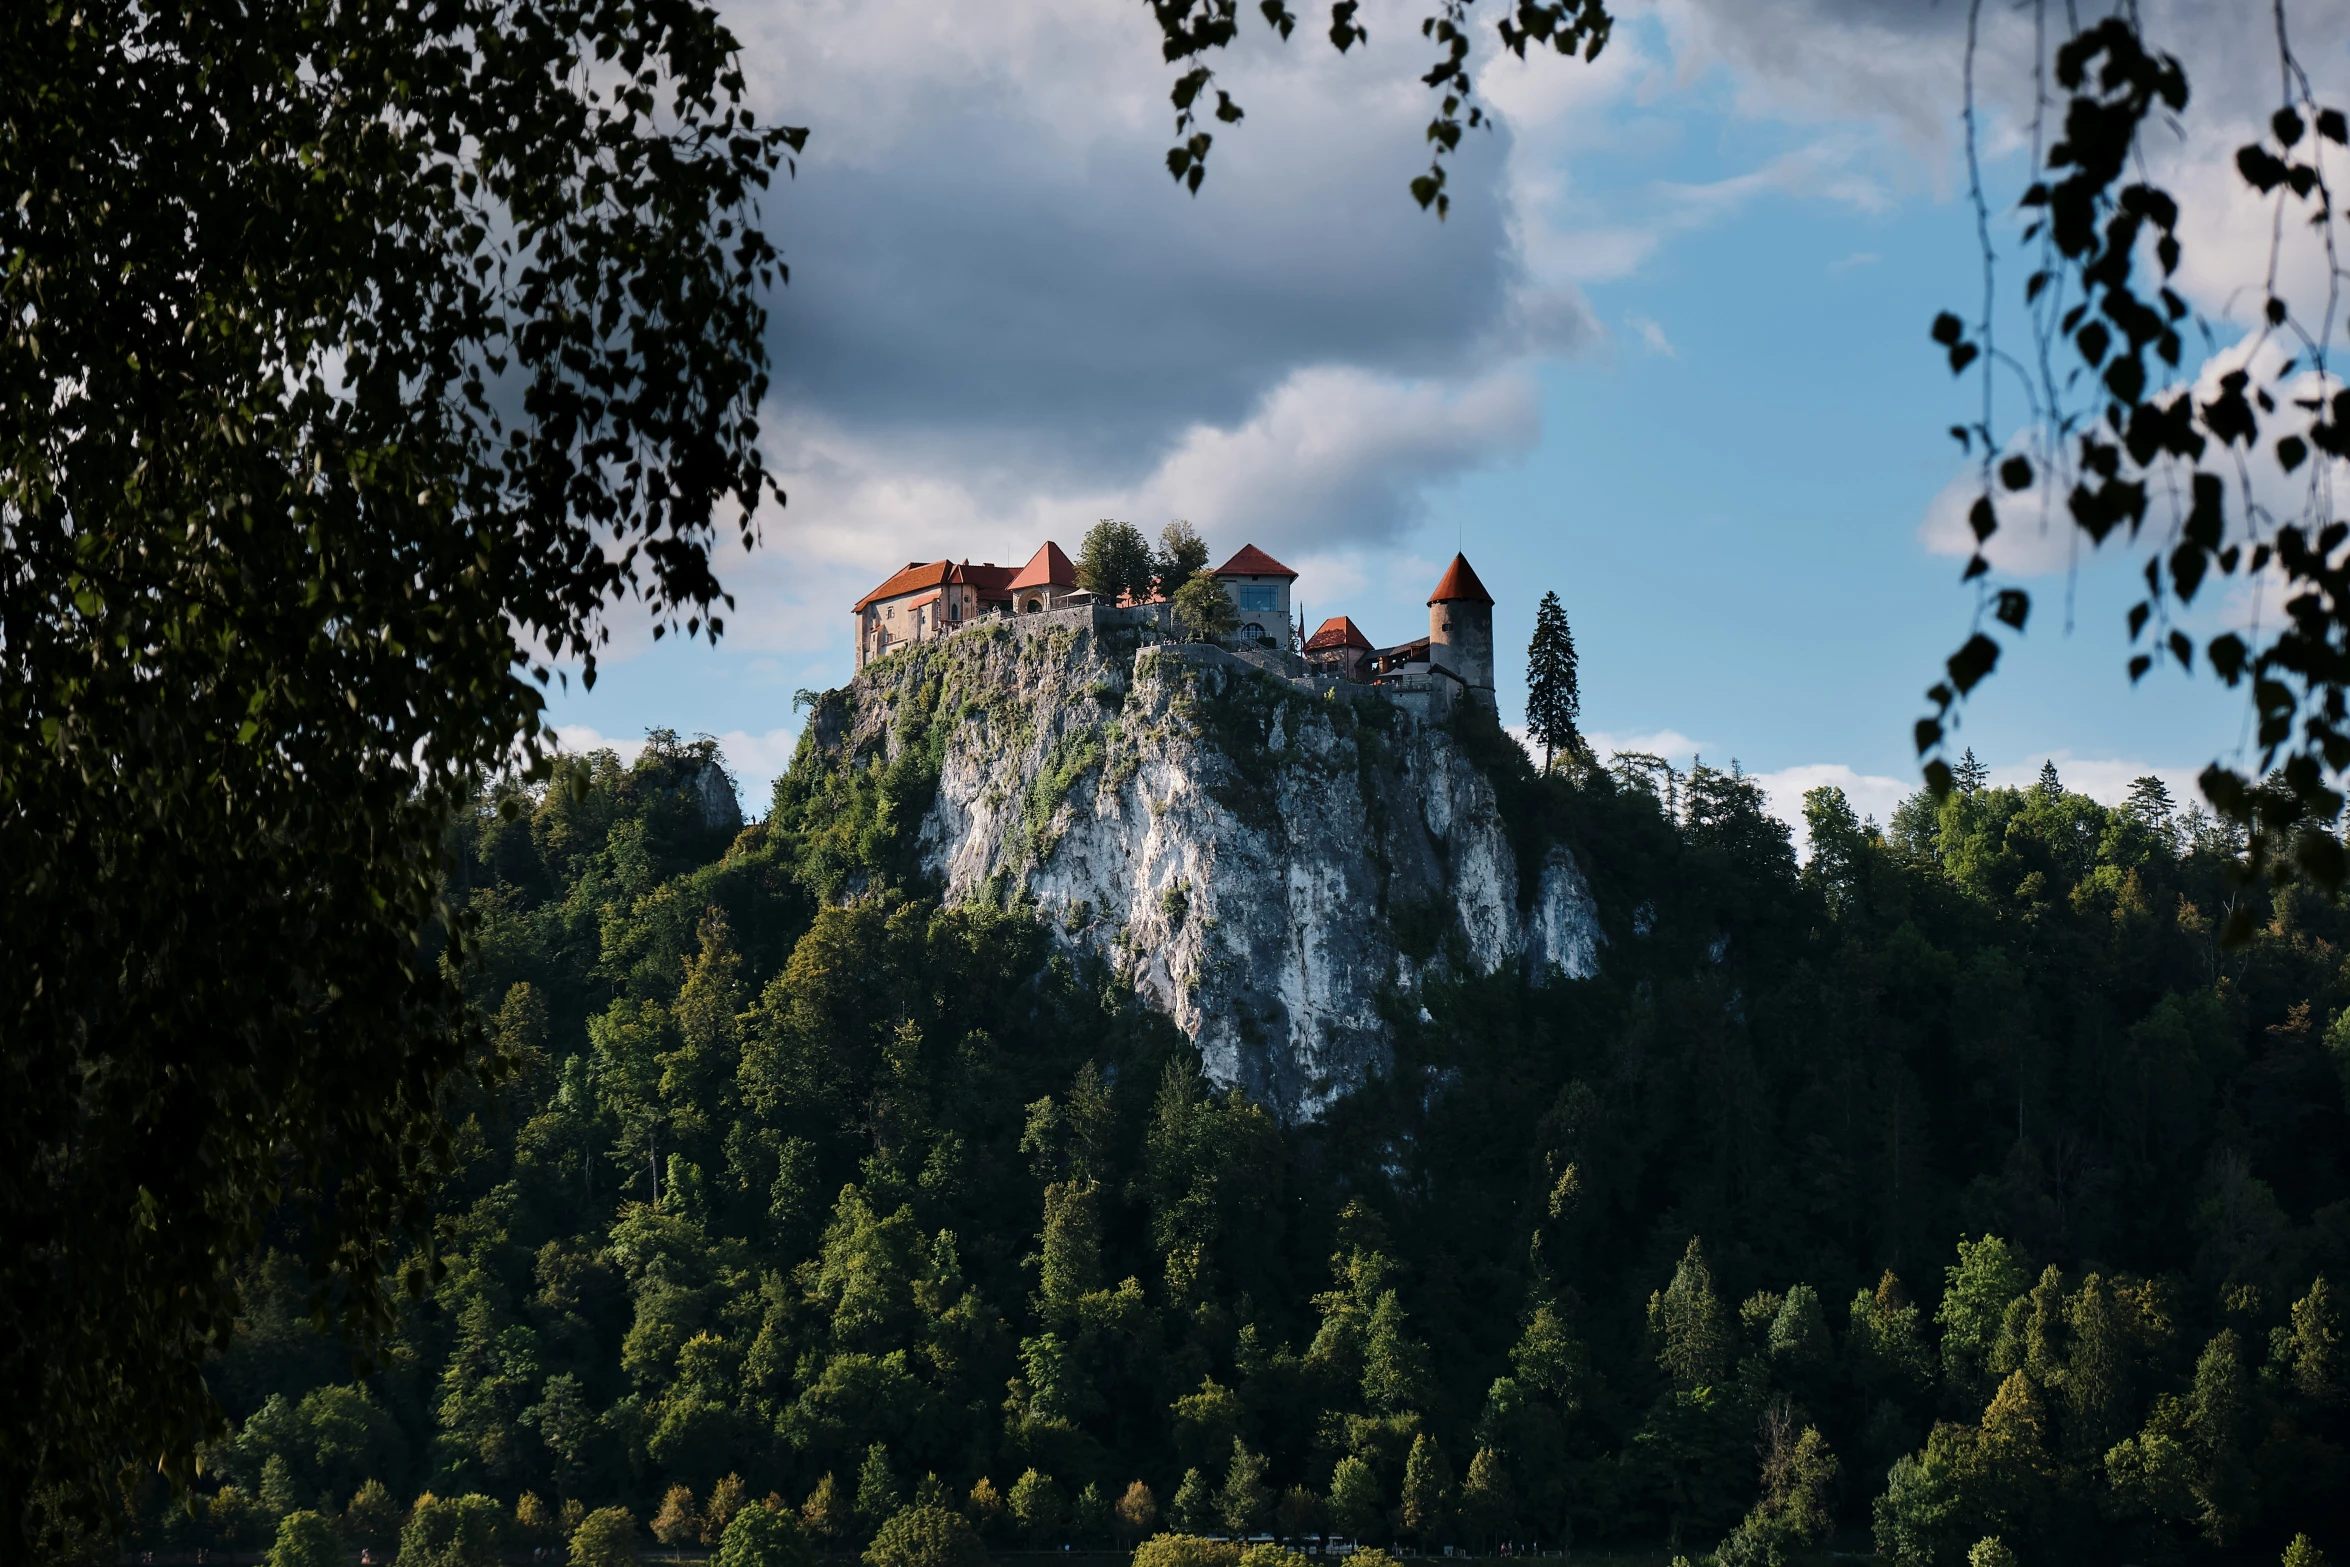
1268	864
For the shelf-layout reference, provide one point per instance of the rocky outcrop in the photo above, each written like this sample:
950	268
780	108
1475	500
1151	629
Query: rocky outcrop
1271	866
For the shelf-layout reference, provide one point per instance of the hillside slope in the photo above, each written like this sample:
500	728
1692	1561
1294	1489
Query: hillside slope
1269	867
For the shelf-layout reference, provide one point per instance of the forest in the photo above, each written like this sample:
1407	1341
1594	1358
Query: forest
1956	1192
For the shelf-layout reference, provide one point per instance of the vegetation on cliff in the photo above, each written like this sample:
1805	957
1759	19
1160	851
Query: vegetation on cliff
1954	1184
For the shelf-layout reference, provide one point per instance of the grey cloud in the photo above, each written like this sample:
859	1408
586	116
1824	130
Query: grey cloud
992	298
1899	60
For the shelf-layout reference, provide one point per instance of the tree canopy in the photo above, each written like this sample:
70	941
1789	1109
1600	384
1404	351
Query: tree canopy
1953	1184
353	359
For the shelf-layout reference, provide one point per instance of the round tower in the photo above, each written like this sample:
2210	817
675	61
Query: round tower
1460	631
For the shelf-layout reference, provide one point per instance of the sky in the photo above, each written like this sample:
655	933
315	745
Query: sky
1667	357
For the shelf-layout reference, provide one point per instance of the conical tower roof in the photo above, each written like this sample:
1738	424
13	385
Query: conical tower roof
1460	582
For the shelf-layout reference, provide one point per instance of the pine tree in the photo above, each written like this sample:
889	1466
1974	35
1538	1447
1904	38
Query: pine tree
2051	787
1970	774
1395	1364
1554	698
2303	1552
1686	1318
877	1488
1427	1491
1193	1510
1245	1505
1487	1504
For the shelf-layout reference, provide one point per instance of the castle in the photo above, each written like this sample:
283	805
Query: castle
1452	664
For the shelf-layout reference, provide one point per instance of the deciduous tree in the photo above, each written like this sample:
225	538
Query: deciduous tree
352	358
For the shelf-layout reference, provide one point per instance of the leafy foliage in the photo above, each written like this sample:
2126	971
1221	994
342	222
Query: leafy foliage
352	356
1115	562
2123	441
903	1209
1190	29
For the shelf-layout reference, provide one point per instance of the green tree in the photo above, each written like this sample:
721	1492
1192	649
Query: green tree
1977	1290
1182	555
372	1519
1089	1515
1549	1358
2311	1348
1207	1423
925	1537
1427	1491
1115	562
1204	610
604	1538
2302	1551
1038	1507
398	349
1488	1504
2219	1416
1396	1379
1798	1334
1245	1504
306	1539
1689	1326
1071	1256
1193	1509
1797	1504
764	1537
1354	1505
1554	694
878	1496
461	1531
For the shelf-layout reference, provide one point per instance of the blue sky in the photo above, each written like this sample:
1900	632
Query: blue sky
1668	358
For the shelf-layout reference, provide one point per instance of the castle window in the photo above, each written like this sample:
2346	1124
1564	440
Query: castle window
1256	598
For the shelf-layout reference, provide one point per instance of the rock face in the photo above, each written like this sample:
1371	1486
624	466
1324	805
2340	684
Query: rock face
713	792
1267	865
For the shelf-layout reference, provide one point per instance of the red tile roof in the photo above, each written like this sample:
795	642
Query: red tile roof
992	581
1253	562
1338	631
1047	568
1460	582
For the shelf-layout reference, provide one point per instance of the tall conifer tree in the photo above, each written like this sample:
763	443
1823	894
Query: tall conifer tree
1554	697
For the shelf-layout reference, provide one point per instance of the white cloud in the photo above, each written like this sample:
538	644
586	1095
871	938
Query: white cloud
2105	779
1653	335
1671	744
1871	796
2037	536
580	740
757	760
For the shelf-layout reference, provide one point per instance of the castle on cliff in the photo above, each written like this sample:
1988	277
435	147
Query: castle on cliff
1452	664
